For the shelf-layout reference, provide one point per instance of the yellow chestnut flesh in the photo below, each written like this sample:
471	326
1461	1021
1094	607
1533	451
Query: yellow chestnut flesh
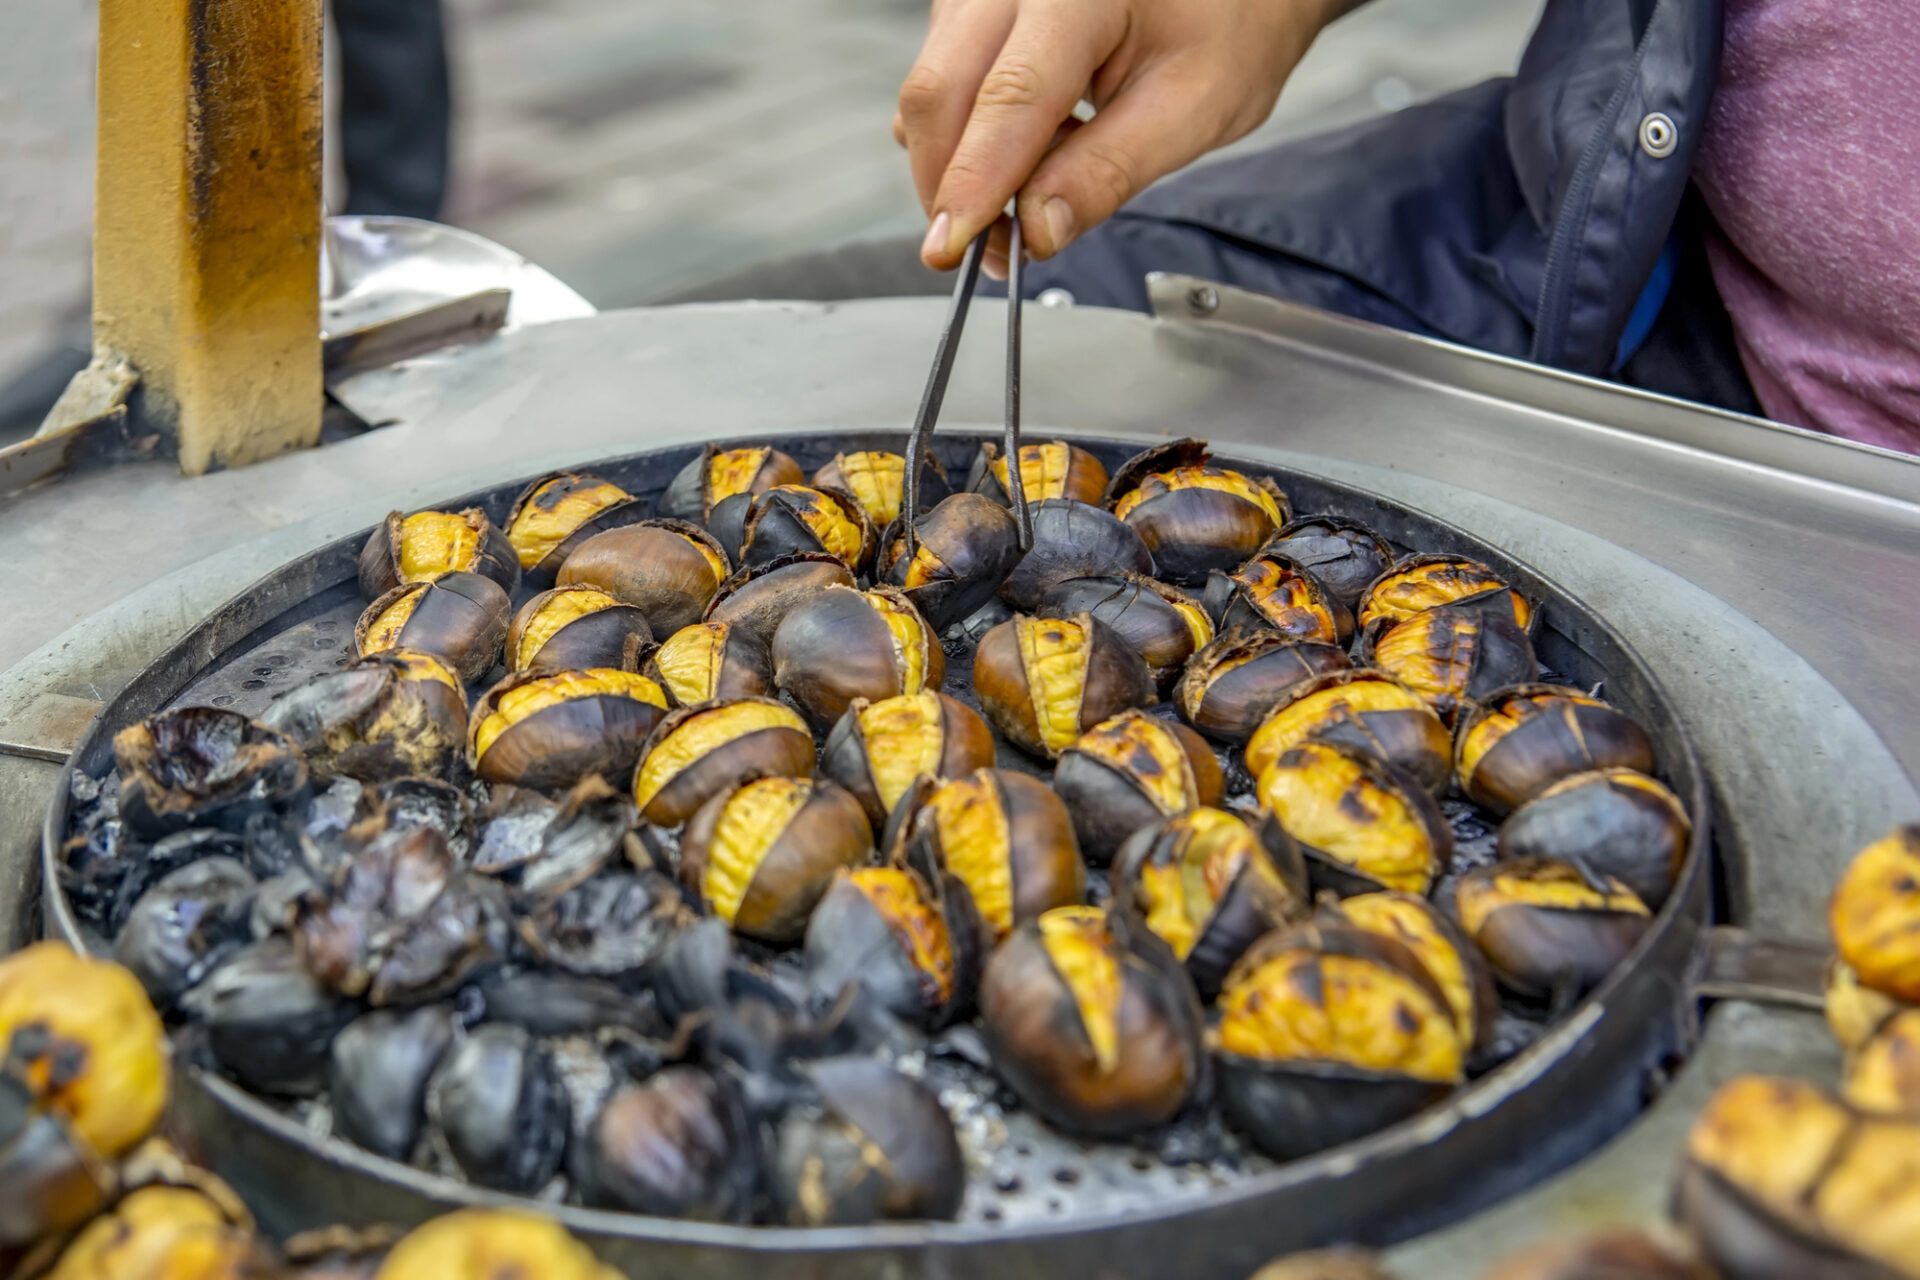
1428	586
1054	654
1216	478
1884	1076
1045	470
752	819
1411	922
690	661
534	696
492	1244
1326	799
433	543
876	481
911	638
905	738
162	1233
546	520
733	471
975	841
1077	941
1503	718
1144	749
385	631
841	537
424	666
561	608
920	929
705	732
1300	1005
1556	887
1181	894
1875	915
1289	726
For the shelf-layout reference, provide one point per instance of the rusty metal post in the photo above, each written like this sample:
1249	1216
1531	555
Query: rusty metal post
207	226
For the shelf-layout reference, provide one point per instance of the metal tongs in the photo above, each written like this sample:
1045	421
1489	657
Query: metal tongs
936	392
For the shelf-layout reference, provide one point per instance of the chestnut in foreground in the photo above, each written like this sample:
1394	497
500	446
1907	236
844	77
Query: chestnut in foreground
877	749
389	715
577	628
1447	954
761	855
1194	518
499	1106
1548	928
1344	555
161	1232
459	618
204	766
967	545
487	1244
667	569
874	1145
758	597
1855	1012
1045	681
1455	655
1419	583
1129	772
548	731
678	1145
841	644
378	1071
1875	916
877	481
1091	1020
1272	590
1521	740
1163	624
1363	825
430	544
711	662
1342	1263
1883	1074
1228	688
1614	822
698	752
1053	469
1072	540
1006	838
790	518
1364	709
716	486
556	513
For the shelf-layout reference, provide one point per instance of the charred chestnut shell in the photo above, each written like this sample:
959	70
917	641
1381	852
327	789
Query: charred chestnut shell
1328	1032
1007	838
1548	928
428	544
967	545
1344	555
548	730
1130	772
1227	688
762	855
1521	740
1875	916
1419	583
877	1145
499	1106
1071	540
841	644
576	628
915	945
459	618
203	766
389	715
1367	710
1194	518
1363	825
269	1023
1456	654
679	1145
189	922
877	749
877	481
1272	590
756	598
380	1065
721	482
613	925
697	753
792	518
1445	951
556	513
1092	1021
709	662
1045	681
1054	469
667	569
1614	822
1210	885
1163	624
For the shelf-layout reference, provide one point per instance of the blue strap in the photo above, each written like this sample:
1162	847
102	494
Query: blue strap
1652	298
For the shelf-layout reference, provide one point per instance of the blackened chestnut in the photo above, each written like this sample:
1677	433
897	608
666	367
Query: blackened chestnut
667	569
1130	772
1883	1074
195	917
1272	590
679	1145
498	1105
1549	929
612	926
790	518
876	1145
1875	916
1054	469
1163	624
558	512
1007	838
1226	689
1615	822
1344	555
459	618
1194	518
1364	709
1419	583
1045	681
1092	1021
877	749
1071	540
576	628
877	481
724	481
965	548
203	766
1447	954
377	1081
711	661
761	856
1519	741
389	715
914	943
697	753
843	644
269	1023
757	597
1363	825
547	731
428	544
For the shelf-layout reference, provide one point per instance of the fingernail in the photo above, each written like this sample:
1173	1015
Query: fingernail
1059	215
994	263
937	236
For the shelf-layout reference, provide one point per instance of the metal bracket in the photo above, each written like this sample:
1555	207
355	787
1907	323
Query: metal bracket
47	728
413	333
1785	972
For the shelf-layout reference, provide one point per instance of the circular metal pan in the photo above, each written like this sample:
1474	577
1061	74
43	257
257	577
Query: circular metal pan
1541	1110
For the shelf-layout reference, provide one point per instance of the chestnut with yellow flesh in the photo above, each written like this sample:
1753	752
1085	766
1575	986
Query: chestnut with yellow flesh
752	819
1130	771
1365	709
1214	479
1854	1010
976	842
492	1244
526	700
561	608
733	471
1875	915
385	631
1334	803
1883	1076
689	661
1276	595
1547	928
696	754
923	567
437	542
1077	942
1301	1005
920	929
904	739
424	666
963	550
1145	750
912	640
763	854
1424	583
1614	822
1045	681
1043	472
839	536
1054	653
1455	656
554	512
164	1233
876	480
1180	894
1519	741
1417	925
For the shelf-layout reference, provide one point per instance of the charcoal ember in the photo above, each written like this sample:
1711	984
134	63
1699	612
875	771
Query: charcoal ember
428	802
512	822
186	925
552	1004
612	925
335	808
160	860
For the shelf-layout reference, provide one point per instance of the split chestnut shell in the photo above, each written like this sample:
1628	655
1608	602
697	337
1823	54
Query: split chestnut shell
1071	540
1007	838
877	749
965	548
667	569
1273	590
1614	822
575	628
459	618
1364	709
1447	954
711	661
1130	772
1228	687
762	855
1521	740
558	512
699	752
1419	583
1363	825
547	731
877	1145
914	943
841	644
389	715
721	482
1054	469
758	597
1194	518
1456	654
1044	681
428	544
791	518
1344	555
203	766
678	1145
1875	916
877	481
1163	624
1549	929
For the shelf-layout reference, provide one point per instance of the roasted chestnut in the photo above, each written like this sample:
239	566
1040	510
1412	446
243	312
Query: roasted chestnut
556	513
1045	681
1007	838
610	926
1328	1032
721	482
489	1244
162	1232
1875	916
1604	1255
667	569
1227	688
498	1106
1129	772
711	661
1367	710
1072	540
1210	885
915	946
1420	583
1781	1181
842	643
269	1023
1883	1074
965	548
790	518
576	628
757	597
878	748
1854	1010
877	481
1455	655
549	730
1054	469
877	1145
679	1145
1444	951
459	618
1194	518
546	847
1549	929
189	922
377	1080
1344	555
1272	590
1363	825
1519	741
1614	822
1163	624
1091	1020
761	856
429	544
390	715
203	766
698	752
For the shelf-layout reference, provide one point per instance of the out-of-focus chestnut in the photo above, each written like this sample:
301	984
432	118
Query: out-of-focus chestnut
1328	1032
1163	624
1129	772
1419	583
711	661
878	748
842	643
717	486
577	628
1092	1021
1875	916
1363	825
1548	928
1615	822
1854	1010
1455	655
1604	1255
1054	469
1072	540
1883	1075
965	548
427	544
378	1072
389	715
698	752
459	618
488	1244
1007	838
915	944
547	731
1367	710
762	855
679	1145
1210	886
1045	681
877	481
269	1022
1343	1263
1228	688
1194	518
1519	741
556	513
1272	590
790	518
499	1107
876	1145
1344	555
756	598
667	569
204	766
164	1232
1447	954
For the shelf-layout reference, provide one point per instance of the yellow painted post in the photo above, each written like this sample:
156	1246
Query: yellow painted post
207	221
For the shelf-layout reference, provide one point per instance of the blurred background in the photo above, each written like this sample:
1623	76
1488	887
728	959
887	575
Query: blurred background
637	148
